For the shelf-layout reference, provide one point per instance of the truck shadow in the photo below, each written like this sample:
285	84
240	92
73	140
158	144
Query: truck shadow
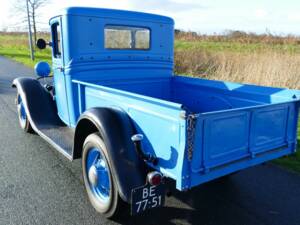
207	204
260	195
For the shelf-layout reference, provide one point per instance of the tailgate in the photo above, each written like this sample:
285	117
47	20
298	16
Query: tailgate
223	138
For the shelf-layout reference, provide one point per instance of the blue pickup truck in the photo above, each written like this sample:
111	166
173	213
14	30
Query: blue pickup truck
116	104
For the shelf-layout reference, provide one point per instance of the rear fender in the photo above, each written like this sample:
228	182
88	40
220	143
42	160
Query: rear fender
116	129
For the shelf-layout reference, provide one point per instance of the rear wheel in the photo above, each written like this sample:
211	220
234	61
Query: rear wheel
22	115
98	179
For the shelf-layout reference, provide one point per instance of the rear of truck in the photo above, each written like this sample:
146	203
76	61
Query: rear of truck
233	126
224	142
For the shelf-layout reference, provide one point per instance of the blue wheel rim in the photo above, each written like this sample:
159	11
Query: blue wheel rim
22	112
96	160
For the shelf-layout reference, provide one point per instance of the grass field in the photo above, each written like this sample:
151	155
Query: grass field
218	46
247	58
15	46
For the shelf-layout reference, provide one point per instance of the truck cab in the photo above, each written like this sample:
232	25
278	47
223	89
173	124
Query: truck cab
93	44
117	105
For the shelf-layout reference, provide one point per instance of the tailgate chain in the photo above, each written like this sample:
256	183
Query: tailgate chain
191	127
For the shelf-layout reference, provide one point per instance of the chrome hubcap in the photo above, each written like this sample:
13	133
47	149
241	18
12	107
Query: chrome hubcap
93	176
97	172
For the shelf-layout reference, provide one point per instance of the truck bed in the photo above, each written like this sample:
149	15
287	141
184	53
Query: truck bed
236	125
202	96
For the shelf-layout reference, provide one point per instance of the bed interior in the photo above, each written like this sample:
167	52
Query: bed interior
197	95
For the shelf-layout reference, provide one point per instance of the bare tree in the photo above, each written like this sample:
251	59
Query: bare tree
19	7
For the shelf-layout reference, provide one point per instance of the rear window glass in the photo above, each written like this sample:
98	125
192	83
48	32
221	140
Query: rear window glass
125	37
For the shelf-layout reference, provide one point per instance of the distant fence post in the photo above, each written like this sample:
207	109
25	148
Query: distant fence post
29	32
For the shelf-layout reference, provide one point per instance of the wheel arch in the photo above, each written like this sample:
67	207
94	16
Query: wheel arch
38	102
23	85
84	128
116	129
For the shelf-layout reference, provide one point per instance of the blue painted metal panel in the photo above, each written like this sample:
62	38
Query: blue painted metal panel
268	128
244	133
200	178
228	95
225	138
120	14
59	77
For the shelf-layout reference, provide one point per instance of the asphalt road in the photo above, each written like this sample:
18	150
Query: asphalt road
39	186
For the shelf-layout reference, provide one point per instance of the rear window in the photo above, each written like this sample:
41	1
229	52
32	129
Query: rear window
126	37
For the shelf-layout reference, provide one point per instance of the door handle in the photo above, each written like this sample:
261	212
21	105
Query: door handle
60	68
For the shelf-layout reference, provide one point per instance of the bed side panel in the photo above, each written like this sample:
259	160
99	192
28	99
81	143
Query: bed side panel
159	122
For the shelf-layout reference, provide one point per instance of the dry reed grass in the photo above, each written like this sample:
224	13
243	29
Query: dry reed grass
19	39
240	37
268	68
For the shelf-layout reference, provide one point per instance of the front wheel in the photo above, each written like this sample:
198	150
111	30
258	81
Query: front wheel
98	179
22	115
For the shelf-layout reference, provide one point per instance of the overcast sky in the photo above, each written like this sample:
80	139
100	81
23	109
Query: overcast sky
204	16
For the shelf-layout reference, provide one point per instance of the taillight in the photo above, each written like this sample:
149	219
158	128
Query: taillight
154	178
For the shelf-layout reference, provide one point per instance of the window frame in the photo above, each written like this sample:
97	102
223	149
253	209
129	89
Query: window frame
129	27
57	47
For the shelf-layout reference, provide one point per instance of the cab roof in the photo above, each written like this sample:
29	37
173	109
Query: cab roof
117	14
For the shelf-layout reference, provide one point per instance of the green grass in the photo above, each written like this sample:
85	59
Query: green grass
23	56
214	46
16	48
291	162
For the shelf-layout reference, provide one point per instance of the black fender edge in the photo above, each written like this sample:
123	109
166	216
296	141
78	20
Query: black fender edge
116	129
38	102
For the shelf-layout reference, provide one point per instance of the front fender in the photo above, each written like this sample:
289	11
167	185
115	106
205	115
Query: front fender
38	102
116	129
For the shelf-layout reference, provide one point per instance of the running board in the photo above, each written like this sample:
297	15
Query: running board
60	137
42	114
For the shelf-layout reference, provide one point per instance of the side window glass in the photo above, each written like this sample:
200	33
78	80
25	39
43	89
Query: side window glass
56	40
